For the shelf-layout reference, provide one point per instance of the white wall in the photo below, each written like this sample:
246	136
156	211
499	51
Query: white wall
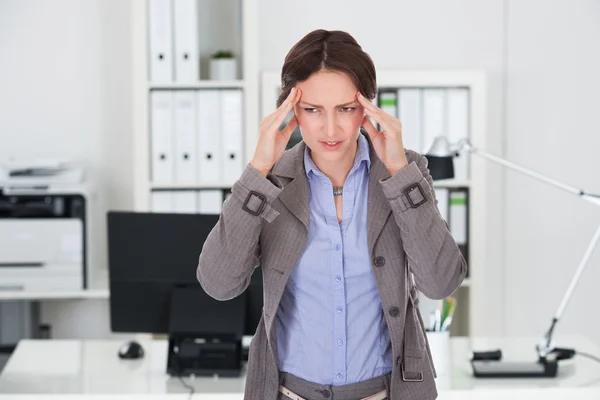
552	120
66	90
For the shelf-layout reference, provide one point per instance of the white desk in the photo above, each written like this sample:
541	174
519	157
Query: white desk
74	369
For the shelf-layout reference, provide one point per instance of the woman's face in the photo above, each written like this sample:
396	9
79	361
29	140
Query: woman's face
329	112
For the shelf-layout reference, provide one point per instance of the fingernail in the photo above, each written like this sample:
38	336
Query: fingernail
293	90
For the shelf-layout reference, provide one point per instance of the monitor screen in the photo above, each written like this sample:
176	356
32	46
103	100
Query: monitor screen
150	255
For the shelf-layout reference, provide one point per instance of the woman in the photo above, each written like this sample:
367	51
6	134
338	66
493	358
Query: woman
341	224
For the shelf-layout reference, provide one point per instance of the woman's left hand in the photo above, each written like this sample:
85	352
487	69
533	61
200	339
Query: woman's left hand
387	143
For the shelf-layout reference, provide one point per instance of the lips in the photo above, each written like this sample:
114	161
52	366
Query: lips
332	145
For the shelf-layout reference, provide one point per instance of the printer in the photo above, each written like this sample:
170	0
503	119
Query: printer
44	225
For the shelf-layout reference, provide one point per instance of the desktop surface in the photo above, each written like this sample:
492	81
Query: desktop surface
93	367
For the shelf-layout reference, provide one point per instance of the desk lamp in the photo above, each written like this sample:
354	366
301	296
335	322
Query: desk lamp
489	364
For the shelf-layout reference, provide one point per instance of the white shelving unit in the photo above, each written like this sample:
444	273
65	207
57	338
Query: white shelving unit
245	40
470	316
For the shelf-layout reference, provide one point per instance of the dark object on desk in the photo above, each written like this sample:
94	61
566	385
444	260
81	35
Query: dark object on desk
131	350
508	369
490	365
200	348
152	262
491	355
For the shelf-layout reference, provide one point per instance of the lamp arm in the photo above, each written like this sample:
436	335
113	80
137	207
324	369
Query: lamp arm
465	144
546	346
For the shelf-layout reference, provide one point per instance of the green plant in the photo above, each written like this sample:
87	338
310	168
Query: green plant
223	54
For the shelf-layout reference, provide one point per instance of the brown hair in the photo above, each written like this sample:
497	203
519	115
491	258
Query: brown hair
330	50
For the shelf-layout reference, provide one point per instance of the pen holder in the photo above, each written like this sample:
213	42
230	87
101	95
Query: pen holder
439	344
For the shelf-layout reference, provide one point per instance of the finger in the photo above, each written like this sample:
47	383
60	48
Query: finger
381	117
370	128
285	109
372	108
290	127
268	120
384	119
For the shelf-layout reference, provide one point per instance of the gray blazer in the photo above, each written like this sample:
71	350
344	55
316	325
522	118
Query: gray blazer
266	222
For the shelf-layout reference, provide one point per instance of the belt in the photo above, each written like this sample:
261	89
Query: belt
377	396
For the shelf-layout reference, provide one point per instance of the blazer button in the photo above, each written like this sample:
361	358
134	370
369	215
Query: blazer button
394	311
379	261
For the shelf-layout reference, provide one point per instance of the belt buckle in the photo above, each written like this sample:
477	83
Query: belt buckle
405	379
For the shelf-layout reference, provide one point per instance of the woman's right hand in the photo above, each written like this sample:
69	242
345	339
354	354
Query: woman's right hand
271	141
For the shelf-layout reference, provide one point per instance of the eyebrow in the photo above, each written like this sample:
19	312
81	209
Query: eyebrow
340	105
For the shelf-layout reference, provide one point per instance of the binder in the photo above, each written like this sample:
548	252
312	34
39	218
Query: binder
409	111
433	117
208	134
388	102
161	202
160	40
458	219
210	201
457	127
443	197
185	137
231	133
185	202
161	141
187	65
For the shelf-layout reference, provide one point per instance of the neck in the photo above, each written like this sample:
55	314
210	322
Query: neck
338	171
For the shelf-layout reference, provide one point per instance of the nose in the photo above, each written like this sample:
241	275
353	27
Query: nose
331	126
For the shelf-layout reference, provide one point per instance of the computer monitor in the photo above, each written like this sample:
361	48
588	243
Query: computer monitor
152	267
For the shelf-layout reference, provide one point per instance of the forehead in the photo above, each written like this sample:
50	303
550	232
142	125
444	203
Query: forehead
327	88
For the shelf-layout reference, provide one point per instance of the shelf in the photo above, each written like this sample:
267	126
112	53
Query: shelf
55	295
451	183
98	289
202	84
191	186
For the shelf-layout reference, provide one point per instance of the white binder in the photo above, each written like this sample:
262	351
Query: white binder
208	134
185	201
187	66
458	215
185	137
457	128
231	133
210	201
161	137
433	117
443	198
161	202
409	112
160	40
388	102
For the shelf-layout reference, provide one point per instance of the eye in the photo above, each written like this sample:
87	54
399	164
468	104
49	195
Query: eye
310	110
348	109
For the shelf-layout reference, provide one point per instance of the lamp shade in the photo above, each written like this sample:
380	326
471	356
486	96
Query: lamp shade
440	159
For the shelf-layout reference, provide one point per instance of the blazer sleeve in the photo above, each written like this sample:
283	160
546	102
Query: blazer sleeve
231	251
434	257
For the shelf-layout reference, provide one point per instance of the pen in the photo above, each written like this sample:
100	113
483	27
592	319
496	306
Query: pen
438	319
446	323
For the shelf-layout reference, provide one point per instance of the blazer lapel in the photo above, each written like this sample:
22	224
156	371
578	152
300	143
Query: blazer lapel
378	207
294	195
